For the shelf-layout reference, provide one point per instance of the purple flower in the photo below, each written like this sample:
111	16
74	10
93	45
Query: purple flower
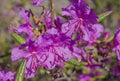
6	75
60	50
25	28
30	54
51	22
82	20
117	44
37	2
94	32
24	14
91	34
47	50
78	53
48	20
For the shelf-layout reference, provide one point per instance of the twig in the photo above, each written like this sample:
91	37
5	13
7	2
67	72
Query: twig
52	10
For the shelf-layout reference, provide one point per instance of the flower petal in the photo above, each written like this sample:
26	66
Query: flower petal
48	60
27	29
31	66
25	14
17	53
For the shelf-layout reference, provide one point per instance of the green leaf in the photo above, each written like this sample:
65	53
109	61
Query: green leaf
20	72
18	38
103	16
109	39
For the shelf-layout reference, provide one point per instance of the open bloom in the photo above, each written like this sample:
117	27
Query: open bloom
30	54
91	34
47	50
82	20
6	75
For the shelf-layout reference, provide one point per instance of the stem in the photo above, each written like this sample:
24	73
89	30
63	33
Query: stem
52	7
52	10
21	71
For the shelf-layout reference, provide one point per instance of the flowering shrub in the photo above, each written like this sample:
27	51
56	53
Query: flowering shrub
73	40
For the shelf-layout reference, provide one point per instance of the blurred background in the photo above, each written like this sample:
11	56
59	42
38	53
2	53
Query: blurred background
9	15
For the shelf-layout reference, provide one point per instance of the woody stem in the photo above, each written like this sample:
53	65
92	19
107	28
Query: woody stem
52	9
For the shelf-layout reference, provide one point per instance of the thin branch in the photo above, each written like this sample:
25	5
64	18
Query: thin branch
52	11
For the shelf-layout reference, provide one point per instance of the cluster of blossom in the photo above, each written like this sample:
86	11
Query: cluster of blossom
56	40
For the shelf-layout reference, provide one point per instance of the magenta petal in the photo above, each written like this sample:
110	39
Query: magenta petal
31	67
78	52
65	27
48	60
39	41
92	33
24	14
92	17
17	53
69	11
70	27
10	75
25	29
98	29
64	53
55	57
52	31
